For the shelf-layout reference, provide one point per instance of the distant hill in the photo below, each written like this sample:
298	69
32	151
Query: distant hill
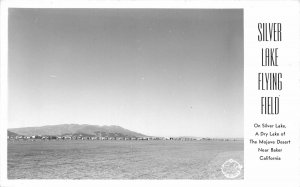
76	129
12	134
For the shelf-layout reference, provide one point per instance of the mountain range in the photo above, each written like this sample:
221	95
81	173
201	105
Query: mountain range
75	129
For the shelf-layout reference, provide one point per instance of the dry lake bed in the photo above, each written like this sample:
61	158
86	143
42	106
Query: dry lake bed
122	159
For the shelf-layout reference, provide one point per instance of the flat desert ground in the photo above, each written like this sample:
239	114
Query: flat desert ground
122	159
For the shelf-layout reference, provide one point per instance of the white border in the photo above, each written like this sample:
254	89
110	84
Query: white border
3	90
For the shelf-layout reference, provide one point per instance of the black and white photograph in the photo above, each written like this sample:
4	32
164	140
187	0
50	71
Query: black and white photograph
124	93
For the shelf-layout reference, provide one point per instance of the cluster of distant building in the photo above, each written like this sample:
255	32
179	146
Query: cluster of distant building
70	137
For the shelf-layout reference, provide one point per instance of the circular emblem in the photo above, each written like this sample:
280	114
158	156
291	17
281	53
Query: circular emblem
231	169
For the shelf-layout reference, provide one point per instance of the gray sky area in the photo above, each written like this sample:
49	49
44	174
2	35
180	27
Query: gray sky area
162	72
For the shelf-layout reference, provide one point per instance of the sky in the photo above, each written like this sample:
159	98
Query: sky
160	72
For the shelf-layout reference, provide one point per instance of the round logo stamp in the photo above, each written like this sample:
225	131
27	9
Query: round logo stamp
231	169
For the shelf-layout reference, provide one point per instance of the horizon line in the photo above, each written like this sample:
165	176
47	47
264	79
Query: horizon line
126	129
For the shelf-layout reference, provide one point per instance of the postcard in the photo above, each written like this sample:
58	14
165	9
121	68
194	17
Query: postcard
150	93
